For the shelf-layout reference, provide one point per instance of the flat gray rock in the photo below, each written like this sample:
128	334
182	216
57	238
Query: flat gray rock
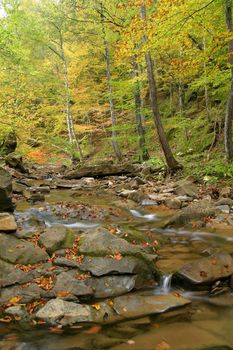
134	305
68	283
207	270
57	237
7	222
102	243
15	251
25	293
111	286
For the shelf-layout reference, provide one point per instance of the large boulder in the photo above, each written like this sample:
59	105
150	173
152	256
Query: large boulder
205	271
5	191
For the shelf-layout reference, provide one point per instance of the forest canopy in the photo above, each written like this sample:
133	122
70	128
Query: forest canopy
115	79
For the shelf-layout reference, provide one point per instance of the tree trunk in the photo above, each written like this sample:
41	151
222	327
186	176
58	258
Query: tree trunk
69	119
229	111
115	146
172	163
143	153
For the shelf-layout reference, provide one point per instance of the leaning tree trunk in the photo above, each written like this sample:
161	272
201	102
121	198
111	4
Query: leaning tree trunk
143	153
229	110
115	145
172	163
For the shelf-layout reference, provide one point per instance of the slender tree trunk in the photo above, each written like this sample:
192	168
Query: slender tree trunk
229	111
207	104
115	145
172	163
143	153
69	119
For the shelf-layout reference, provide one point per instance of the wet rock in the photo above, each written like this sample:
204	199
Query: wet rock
67	282
64	312
5	191
102	243
34	197
224	201
207	270
17	311
225	209
7	222
57	237
111	286
14	160
193	212
100	266
186	188
127	193
133	305
26	293
173	203
11	274
15	251
18	187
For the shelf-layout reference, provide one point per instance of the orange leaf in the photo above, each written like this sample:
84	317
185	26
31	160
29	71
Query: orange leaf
94	329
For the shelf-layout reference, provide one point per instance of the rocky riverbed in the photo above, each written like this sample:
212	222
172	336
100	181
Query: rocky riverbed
116	258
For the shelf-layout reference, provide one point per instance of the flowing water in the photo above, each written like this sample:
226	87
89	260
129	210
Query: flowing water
207	324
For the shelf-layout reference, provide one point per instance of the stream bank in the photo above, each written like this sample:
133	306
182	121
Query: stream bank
92	252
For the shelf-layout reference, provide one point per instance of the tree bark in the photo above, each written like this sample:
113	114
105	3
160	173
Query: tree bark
69	119
115	145
143	153
172	163
229	110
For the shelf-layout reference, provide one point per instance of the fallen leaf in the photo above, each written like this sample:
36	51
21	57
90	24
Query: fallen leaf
15	300
57	330
163	346
63	294
6	319
96	306
94	329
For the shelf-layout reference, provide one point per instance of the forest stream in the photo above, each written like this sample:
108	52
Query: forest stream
206	322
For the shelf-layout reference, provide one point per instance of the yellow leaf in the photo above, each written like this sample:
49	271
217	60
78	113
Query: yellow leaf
96	306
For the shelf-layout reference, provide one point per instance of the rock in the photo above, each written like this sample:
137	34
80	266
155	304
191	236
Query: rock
173	203
193	212
65	312
18	187
226	192
5	191
26	293
126	193
224	201
58	311
100	266
100	170
186	188
224	208
15	251
7	222
67	282
102	243
11	275
57	237
111	286
16	311
14	160
9	144
133	305
207	270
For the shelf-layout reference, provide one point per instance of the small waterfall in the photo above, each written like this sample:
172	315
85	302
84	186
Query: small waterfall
165	283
